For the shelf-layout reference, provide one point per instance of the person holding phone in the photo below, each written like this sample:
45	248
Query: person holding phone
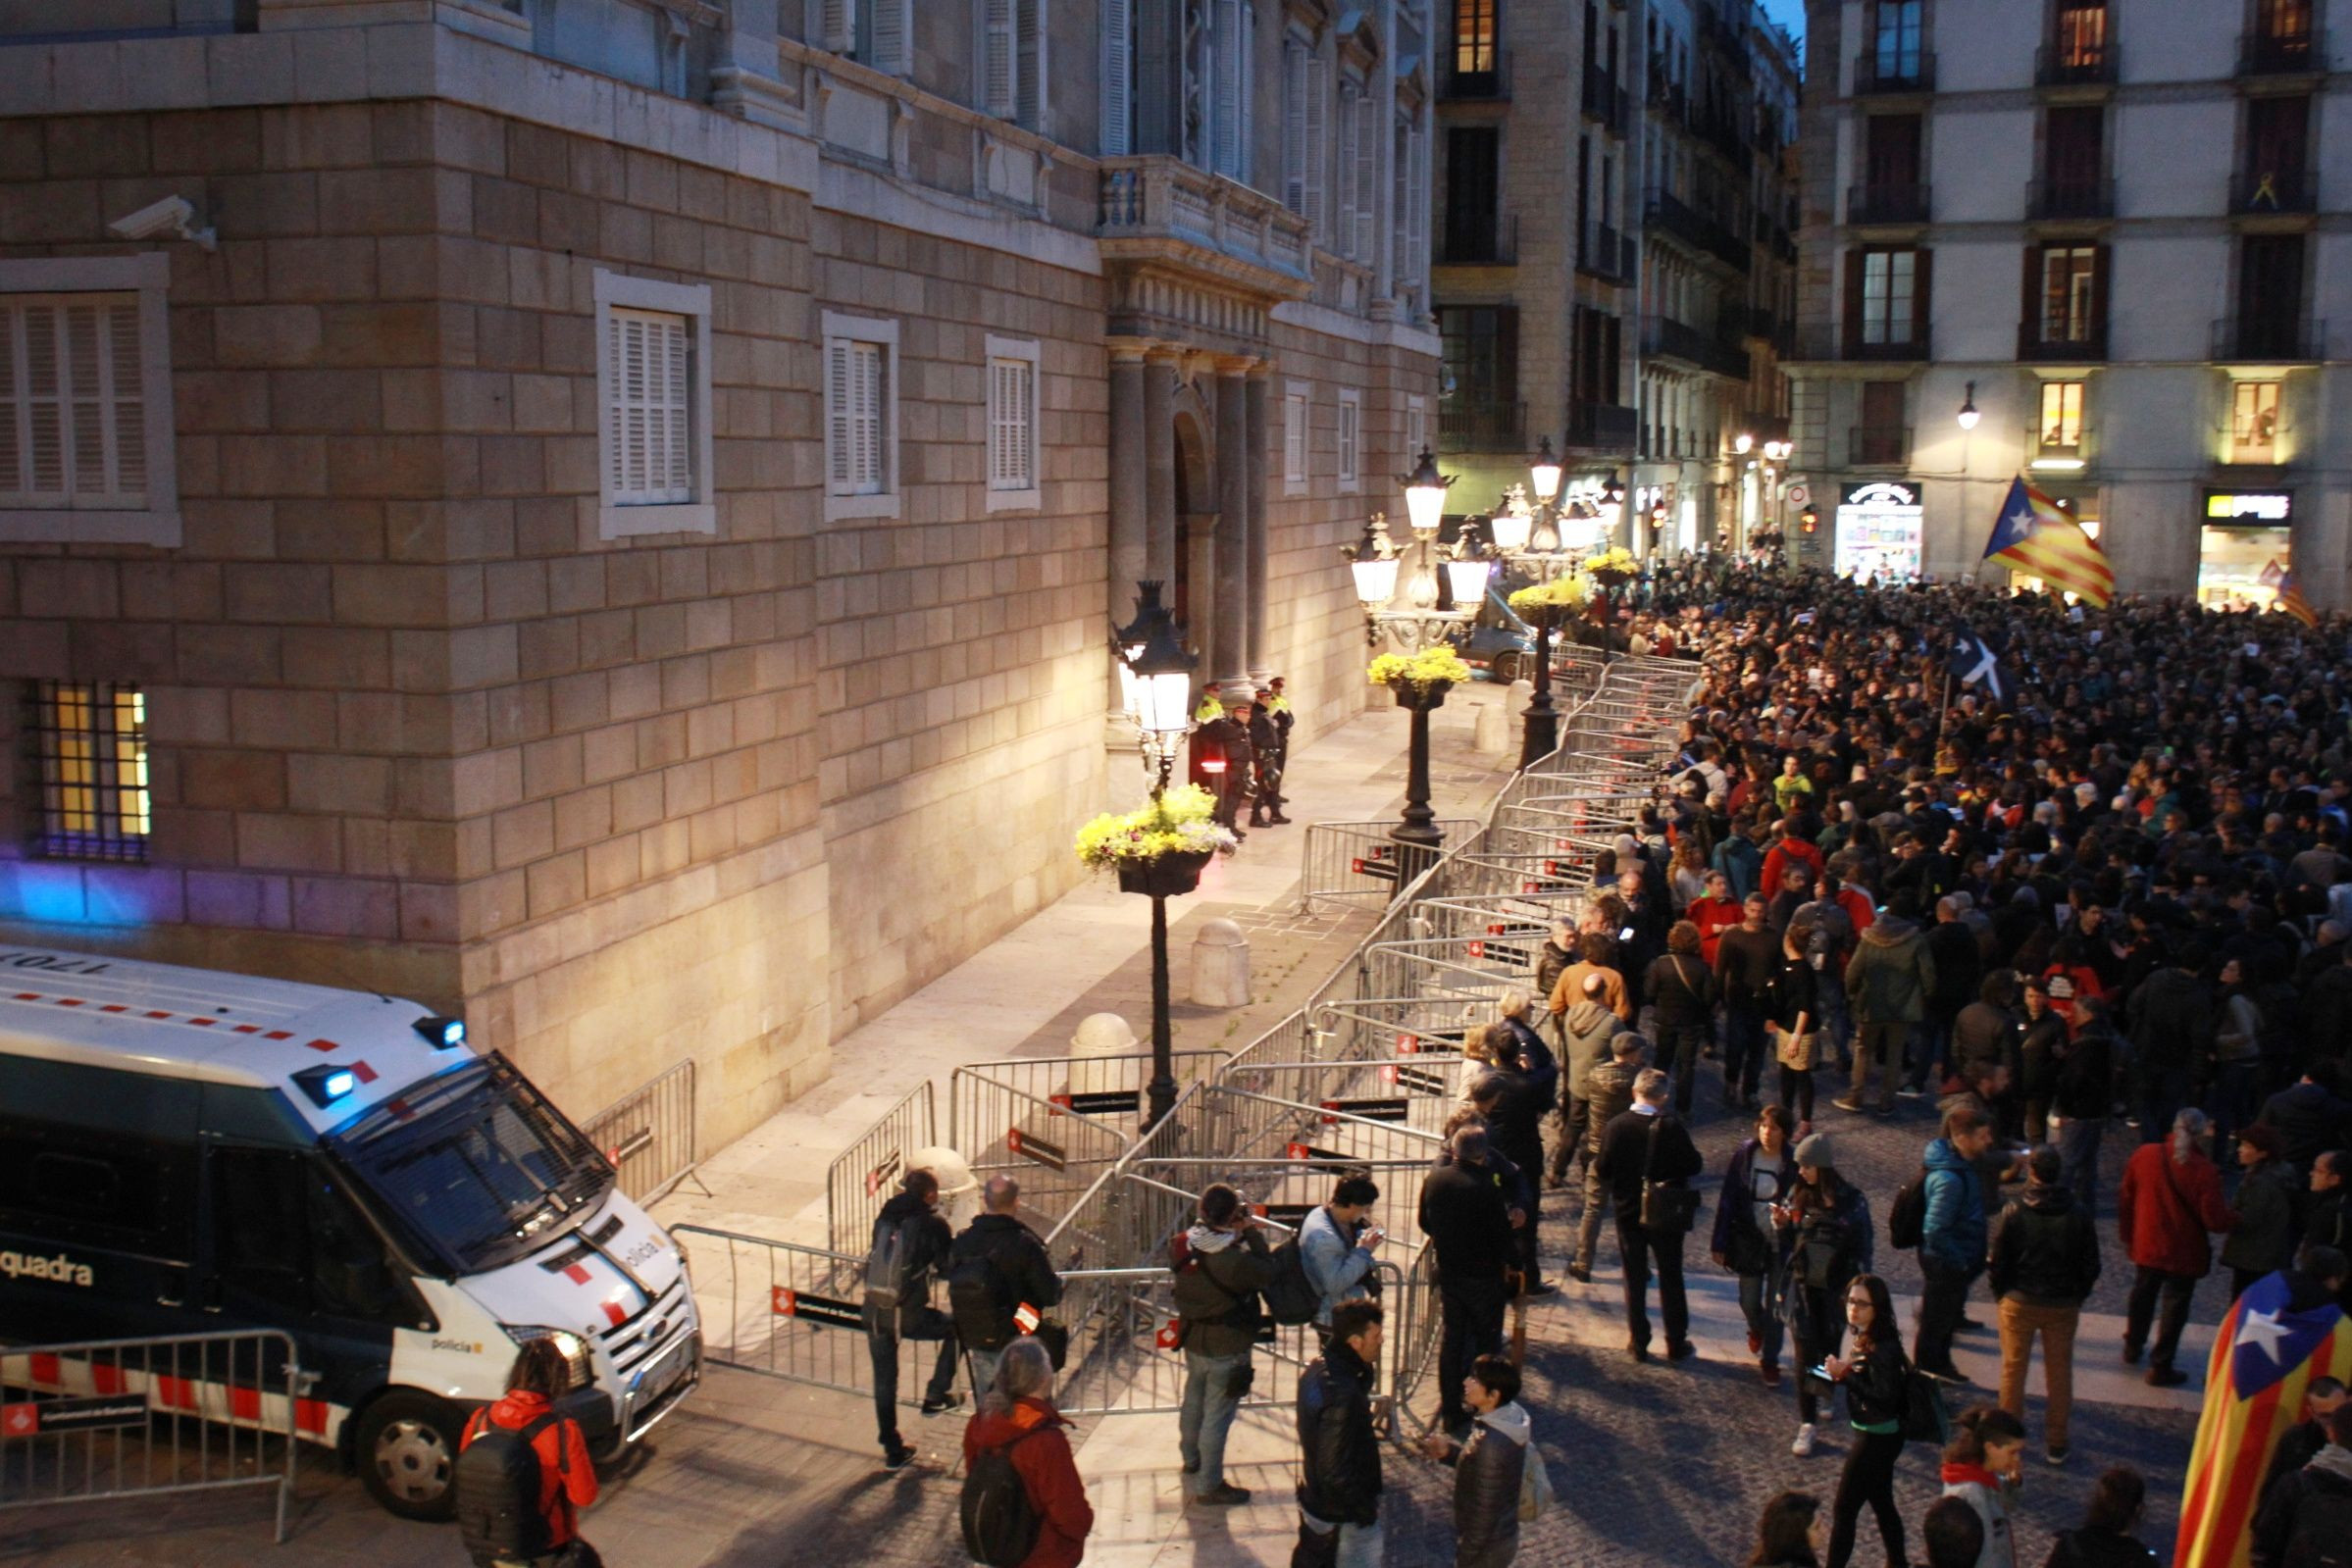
1792	1027
1872	1376
1825	1224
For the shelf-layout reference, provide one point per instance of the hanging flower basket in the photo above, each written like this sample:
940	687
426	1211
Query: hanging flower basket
1160	846
1549	606
1169	876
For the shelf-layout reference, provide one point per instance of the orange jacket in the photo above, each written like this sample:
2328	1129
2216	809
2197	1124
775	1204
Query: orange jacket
567	1480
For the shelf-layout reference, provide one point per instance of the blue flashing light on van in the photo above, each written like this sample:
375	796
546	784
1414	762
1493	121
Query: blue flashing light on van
183	1151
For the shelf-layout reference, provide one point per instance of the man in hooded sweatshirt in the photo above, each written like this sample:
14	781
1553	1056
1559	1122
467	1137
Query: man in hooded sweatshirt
1489	1466
1221	1263
1586	1030
2045	1261
1887	984
2310	1506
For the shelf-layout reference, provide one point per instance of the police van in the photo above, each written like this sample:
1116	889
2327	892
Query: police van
183	1151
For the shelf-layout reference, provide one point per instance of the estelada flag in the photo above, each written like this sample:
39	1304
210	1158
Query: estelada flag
2264	1354
2033	534
2292	600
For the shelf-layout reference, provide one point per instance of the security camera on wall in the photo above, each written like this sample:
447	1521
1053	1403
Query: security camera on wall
170	216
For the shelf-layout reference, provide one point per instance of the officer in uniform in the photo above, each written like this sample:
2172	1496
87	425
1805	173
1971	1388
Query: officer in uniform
1229	735
1265	744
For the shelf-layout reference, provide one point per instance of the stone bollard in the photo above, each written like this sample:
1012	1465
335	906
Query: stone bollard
1099	1035
1221	965
959	1188
1498	721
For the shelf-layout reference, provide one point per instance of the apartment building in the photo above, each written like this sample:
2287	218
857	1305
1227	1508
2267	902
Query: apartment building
1611	176
602	514
2100	244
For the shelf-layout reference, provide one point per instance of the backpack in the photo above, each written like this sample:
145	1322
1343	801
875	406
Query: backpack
1536	1496
1925	1416
497	1483
1000	1524
2323	1537
979	1297
1907	1220
1290	1297
886	1263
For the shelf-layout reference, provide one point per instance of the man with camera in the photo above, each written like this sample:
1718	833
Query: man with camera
1220	1263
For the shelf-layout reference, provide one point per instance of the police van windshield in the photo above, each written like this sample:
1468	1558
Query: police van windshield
475	1164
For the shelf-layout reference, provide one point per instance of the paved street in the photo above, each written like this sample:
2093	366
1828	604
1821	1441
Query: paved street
1656	1464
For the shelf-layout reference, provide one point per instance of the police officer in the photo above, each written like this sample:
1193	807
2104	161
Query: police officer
1229	735
1278	708
1266	746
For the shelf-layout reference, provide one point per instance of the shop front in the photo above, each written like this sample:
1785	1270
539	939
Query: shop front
2246	541
1880	530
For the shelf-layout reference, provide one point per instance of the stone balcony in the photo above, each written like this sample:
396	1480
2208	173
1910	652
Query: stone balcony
1160	209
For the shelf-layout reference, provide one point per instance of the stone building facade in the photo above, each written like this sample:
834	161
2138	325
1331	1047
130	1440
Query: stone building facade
601	514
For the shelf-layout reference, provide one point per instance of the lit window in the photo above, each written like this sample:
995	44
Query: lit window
2069	293
1888	279
2254	421
90	749
2061	416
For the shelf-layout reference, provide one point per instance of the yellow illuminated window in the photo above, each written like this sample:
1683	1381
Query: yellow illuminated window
90	740
2061	416
2254	421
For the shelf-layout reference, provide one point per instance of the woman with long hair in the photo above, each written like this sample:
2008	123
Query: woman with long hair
1686	873
1825	1227
1874	1375
1793	1026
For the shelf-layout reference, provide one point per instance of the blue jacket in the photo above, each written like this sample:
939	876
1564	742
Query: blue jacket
1332	1262
1741	861
1955	1231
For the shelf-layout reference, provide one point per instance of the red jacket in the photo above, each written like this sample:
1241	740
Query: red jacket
1712	917
567	1480
1777	866
1049	1472
2166	1208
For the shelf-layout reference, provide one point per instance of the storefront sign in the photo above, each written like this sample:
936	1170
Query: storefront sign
1878	531
2220	506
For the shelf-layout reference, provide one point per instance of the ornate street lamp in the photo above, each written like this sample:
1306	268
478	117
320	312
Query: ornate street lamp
1157	674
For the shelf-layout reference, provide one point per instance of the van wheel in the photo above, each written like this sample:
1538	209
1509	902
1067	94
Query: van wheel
406	1451
1507	665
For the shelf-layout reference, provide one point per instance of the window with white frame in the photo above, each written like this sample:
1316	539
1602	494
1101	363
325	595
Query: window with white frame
1295	405
861	417
873	32
653	394
1012	424
1219	90
1012	60
85	401
1304	115
1417	430
1351	420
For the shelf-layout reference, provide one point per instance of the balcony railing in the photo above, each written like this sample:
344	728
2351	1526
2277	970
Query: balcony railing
2282	54
1857	346
1605	99
1665	337
1156	197
2078	65
1480	427
1606	254
1914	72
2037	344
1491	85
1878	445
1675	217
1887	203
2071	198
2268	339
1602	426
1494	243
2291	191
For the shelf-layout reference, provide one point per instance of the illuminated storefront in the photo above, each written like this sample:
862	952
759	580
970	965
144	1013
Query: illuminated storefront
1880	528
2245	539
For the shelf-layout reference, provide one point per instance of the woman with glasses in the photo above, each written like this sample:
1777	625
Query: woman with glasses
1874	1375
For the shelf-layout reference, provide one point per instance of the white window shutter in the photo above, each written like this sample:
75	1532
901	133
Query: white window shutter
890	20
676	480
1294	126
837	416
868	397
1118	76
16	412
841	25
1029	70
1344	235
1417	239
1317	76
997	59
1365	174
1294	438
1400	209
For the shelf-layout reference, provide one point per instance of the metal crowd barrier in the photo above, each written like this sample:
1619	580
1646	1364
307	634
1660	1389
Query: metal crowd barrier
99	1419
1356	864
863	1177
649	1133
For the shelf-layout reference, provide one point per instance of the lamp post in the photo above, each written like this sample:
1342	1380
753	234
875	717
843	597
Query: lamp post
1157	676
1541	541
1416	599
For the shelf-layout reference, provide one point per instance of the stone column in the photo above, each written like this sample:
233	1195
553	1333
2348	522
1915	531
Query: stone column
1229	648
1259	385
1127	502
1159	466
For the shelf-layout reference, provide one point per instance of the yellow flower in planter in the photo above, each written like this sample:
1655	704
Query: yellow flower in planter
1616	558
1179	822
1425	667
1569	591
